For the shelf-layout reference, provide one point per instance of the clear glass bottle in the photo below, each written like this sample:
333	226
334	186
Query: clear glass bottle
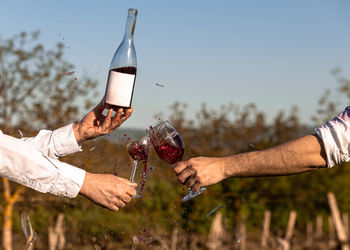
122	72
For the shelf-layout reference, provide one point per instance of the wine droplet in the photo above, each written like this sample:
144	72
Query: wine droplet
160	85
115	167
68	73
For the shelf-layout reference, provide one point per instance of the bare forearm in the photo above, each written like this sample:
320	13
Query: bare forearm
297	156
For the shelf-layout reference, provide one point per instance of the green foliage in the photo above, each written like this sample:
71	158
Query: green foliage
33	86
332	103
160	210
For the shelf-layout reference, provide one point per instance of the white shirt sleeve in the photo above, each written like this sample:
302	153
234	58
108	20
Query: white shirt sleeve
33	162
335	135
57	143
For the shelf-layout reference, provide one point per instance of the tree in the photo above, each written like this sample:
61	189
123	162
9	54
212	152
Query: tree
329	105
35	85
36	91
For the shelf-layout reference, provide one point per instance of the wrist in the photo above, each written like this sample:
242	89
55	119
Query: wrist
84	190
76	131
228	169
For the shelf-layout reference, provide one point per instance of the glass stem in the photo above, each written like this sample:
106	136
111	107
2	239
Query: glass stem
132	177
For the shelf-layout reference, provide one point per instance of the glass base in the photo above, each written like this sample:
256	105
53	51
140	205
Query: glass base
192	194
138	194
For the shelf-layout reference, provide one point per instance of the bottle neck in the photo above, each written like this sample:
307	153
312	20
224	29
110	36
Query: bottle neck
130	27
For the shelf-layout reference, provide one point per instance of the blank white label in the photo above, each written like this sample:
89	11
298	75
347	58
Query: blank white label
120	86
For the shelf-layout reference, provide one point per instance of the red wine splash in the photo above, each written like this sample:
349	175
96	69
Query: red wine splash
139	152
169	152
144	175
116	167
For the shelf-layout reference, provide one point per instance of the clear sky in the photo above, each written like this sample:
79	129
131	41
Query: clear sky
273	53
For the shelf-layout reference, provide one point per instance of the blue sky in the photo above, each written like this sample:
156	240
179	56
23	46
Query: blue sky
273	53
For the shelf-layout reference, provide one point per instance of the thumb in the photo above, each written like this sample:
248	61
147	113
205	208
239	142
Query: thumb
132	184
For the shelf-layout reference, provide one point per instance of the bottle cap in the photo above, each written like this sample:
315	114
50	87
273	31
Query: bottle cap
132	11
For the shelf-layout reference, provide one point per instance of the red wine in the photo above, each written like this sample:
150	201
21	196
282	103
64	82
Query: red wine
138	152
170	153
144	175
120	87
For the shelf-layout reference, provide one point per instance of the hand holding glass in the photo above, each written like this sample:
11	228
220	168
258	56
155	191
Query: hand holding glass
169	146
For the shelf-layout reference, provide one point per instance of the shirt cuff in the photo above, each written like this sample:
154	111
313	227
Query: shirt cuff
64	141
69	180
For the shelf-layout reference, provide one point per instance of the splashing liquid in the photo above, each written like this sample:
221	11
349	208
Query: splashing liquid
144	175
139	152
116	167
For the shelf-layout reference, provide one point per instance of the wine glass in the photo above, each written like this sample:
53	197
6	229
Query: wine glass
138	150
170	147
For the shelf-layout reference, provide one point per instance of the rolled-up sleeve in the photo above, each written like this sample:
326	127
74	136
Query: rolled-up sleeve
335	135
33	167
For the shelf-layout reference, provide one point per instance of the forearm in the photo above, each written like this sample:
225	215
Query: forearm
24	164
297	156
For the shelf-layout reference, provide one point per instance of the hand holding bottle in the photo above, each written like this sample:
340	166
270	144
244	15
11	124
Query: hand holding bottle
95	124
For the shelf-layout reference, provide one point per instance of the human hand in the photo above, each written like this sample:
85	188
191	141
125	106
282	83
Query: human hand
200	172
95	124
108	190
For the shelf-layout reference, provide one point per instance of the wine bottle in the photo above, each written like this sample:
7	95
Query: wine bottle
122	72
